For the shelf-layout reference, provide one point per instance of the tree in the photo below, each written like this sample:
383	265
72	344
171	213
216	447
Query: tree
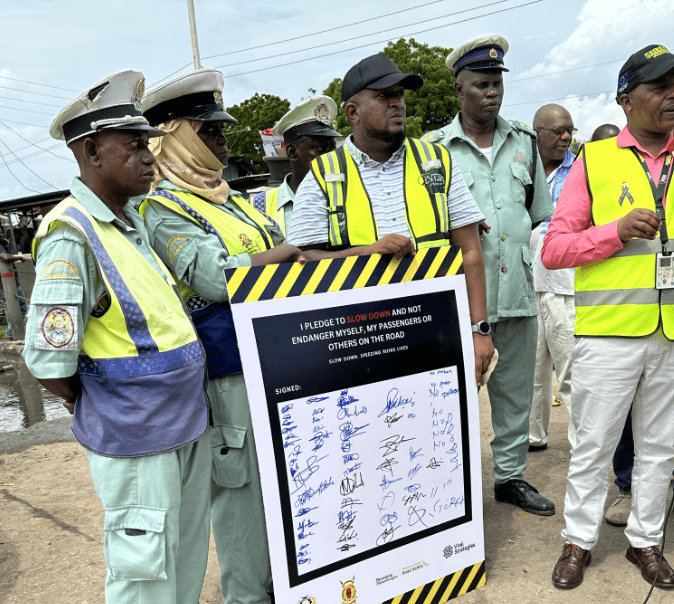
259	112
430	107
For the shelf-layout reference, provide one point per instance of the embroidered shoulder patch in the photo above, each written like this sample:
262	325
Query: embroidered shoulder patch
59	269
56	327
174	246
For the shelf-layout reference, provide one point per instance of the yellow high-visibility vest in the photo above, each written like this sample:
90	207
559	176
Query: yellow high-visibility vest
617	296
139	355
428	173
266	202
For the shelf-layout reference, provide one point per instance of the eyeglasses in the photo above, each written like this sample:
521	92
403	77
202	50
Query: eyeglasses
559	131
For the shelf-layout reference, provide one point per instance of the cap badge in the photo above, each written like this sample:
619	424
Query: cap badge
138	93
622	82
217	97
493	54
322	113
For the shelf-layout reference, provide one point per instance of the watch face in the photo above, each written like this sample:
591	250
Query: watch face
483	327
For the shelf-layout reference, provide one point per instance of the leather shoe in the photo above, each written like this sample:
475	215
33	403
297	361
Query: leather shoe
568	572
523	495
534	448
648	559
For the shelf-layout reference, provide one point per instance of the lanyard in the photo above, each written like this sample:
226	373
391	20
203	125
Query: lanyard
658	191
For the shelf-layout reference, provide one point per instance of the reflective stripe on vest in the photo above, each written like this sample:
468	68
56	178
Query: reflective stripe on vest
351	220
140	354
213	320
617	296
265	202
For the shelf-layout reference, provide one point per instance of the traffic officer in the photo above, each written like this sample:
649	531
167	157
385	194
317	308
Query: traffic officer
108	333
500	163
385	193
612	223
307	131
200	227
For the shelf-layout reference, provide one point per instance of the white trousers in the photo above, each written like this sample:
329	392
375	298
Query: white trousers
608	374
554	348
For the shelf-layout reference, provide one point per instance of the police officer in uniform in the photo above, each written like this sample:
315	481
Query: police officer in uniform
200	227
307	132
107	332
500	163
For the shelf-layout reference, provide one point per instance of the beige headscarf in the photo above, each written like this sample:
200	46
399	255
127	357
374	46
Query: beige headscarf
183	159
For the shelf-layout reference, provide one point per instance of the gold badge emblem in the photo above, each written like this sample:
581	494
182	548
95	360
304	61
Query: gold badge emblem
245	240
493	54
58	328
322	113
138	93
217	97
349	592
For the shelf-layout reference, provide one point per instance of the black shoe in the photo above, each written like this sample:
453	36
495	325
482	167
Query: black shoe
523	495
534	448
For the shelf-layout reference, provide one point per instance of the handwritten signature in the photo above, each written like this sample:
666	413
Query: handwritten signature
393	400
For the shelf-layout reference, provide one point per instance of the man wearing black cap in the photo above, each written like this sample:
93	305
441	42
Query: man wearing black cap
500	162
611	224
387	190
307	132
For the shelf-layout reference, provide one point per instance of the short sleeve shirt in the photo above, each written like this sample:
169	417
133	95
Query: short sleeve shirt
67	278
499	190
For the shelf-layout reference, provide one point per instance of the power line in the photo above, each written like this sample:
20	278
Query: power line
26	124
26	110
2	157
37	93
9	98
316	33
38	84
567	70
25	166
575	96
30	155
383	41
35	145
361	36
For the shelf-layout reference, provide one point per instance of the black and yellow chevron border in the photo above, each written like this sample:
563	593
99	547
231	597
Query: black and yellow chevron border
254	283
445	588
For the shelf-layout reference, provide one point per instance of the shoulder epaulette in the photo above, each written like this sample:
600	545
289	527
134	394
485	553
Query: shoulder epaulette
522	127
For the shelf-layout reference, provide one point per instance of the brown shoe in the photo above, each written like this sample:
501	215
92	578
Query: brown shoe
648	559
569	569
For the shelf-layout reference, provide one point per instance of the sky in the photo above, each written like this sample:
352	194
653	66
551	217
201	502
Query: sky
51	50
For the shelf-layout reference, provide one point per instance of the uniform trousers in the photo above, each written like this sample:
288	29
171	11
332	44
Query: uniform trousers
554	348
608	374
156	524
237	512
510	391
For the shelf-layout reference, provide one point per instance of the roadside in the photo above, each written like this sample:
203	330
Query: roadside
51	533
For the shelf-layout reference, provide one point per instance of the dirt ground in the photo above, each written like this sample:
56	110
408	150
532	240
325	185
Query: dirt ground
51	533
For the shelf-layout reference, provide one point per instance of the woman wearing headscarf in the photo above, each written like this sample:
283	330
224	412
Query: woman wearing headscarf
200	227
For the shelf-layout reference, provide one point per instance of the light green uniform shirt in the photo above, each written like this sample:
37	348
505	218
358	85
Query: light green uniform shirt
499	190
201	261
285	200
80	286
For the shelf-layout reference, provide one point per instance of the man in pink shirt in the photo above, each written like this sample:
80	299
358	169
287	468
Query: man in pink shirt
610	223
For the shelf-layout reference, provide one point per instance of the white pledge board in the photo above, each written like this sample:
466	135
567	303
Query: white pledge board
365	416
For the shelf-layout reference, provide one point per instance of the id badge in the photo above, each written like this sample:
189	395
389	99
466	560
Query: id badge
664	271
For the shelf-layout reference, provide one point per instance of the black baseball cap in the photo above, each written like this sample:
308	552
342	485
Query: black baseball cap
643	66
376	73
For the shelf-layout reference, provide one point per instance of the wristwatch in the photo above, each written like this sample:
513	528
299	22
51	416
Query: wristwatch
481	327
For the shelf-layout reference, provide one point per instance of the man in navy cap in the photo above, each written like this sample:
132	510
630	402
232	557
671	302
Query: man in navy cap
500	162
388	193
108	333
307	131
611	224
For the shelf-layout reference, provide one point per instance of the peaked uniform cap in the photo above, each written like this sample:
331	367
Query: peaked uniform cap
195	96
111	104
312	117
481	53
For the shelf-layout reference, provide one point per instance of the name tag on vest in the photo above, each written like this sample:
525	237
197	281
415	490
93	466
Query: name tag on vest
334	177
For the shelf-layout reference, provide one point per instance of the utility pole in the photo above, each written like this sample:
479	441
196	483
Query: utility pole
193	35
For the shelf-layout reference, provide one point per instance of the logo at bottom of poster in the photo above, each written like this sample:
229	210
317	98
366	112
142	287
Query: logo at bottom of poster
349	592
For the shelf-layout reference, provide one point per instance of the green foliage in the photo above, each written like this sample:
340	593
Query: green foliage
259	112
430	107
